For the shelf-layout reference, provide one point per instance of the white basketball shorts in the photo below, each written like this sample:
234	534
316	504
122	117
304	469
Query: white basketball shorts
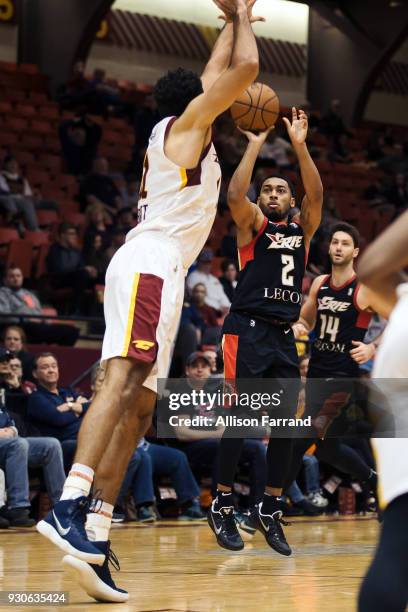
144	293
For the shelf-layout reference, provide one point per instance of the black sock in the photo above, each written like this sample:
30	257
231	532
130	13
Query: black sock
271	504
223	500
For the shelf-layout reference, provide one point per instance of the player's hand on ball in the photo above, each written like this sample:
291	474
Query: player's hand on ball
258	138
362	352
297	130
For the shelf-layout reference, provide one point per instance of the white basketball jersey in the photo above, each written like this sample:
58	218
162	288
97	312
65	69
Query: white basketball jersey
175	201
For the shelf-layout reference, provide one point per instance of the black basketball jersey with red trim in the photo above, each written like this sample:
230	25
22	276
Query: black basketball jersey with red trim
272	267
339	321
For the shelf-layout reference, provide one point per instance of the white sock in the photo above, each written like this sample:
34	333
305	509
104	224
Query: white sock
79	481
98	521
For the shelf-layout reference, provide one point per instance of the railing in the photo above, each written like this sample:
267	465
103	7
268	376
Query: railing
18	319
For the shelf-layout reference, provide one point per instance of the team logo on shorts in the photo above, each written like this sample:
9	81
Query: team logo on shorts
143	345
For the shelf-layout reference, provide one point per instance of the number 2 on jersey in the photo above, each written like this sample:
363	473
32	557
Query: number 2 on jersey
329	326
288	265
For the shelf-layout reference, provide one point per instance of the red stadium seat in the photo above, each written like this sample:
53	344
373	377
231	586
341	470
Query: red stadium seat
17	124
26	110
32	142
49	111
38	178
5	107
25	157
20	253
69	208
41	126
51	162
37	97
7	235
8	139
17	95
36	239
40	266
47	219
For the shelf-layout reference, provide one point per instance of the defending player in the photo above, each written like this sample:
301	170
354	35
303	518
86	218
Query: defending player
258	341
385	586
144	292
339	309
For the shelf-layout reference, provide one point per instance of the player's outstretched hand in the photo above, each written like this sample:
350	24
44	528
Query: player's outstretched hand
297	130
362	352
228	13
258	138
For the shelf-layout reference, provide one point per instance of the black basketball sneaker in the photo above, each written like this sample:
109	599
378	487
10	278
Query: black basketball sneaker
222	522
271	527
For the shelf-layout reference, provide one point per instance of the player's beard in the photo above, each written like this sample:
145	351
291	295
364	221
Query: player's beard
342	264
276	215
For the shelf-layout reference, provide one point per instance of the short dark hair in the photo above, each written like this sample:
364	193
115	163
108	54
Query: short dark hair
174	92
228	262
347	228
291	185
65	226
40	356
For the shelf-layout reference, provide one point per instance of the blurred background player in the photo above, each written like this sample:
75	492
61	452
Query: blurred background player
338	309
385	587
258	341
144	292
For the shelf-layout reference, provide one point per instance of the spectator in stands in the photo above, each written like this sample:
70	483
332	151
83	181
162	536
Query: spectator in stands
398	192
99	187
215	297
201	443
96	257
98	222
229	242
118	238
16	300
79	139
278	150
205	315
216	364
17	454
332	123
229	277
103	97
16	195
129	191
66	266
125	220
145	119
338	152
15	341
54	410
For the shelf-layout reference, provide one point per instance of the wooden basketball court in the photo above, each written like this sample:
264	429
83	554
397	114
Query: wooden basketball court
179	567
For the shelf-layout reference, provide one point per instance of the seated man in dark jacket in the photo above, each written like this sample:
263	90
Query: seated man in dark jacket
55	411
17	453
66	266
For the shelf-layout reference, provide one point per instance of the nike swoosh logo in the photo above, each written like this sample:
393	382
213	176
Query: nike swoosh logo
286	331
216	529
263	524
63	532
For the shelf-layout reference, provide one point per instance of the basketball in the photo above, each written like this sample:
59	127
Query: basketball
256	109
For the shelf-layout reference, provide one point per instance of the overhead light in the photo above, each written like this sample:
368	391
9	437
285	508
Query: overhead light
395	3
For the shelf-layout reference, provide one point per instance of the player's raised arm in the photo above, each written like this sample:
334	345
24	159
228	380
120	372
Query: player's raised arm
241	72
311	210
246	214
221	54
381	264
308	312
